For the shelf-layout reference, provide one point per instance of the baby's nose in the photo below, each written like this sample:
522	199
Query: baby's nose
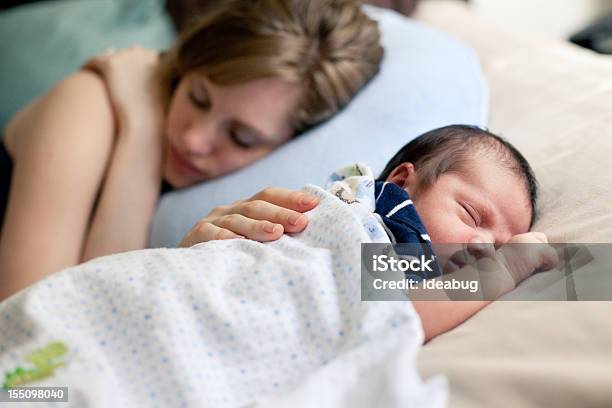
482	237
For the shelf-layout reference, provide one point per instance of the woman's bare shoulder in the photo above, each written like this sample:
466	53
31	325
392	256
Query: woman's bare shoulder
78	99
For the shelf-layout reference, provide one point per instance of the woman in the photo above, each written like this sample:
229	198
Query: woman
87	159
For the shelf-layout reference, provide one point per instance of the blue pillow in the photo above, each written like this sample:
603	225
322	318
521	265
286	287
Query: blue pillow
427	80
42	43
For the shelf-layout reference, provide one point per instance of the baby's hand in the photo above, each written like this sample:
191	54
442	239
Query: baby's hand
525	254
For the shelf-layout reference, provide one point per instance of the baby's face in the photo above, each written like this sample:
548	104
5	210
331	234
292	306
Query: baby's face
484	203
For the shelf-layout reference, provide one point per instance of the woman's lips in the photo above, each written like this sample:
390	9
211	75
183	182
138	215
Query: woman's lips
182	164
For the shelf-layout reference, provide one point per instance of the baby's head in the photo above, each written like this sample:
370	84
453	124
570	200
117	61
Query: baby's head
467	184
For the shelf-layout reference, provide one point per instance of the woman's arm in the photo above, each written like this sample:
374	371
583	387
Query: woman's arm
129	194
131	186
60	144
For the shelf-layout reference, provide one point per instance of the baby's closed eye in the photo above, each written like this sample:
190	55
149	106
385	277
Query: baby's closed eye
470	215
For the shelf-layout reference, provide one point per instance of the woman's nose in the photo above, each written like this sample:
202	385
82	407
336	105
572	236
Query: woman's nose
199	139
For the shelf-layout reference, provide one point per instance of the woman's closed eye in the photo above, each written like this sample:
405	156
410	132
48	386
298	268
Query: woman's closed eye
471	215
243	138
199	97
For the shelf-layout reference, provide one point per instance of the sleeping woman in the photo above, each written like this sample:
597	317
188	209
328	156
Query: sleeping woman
84	164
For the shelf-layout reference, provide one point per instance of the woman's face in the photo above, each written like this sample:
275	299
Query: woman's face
212	130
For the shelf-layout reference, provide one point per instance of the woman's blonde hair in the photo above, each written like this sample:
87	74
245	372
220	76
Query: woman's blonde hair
330	47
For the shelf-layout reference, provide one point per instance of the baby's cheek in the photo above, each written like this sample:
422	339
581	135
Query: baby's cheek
446	229
434	227
441	223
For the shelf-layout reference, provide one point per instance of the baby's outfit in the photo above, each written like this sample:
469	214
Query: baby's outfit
398	215
391	206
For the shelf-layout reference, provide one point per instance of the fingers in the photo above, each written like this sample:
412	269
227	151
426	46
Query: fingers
263	212
529	238
468	255
100	61
290	199
264	217
481	250
539	236
549	258
276	205
96	64
205	231
290	220
230	227
258	230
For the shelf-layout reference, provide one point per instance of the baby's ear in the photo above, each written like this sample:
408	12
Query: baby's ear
404	176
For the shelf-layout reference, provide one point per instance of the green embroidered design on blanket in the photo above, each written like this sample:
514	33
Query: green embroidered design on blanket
44	361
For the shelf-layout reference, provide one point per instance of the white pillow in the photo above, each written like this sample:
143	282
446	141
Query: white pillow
427	80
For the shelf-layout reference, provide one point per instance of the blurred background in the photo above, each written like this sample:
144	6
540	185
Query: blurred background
553	19
42	41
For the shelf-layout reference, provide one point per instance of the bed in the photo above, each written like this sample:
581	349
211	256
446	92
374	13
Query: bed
553	101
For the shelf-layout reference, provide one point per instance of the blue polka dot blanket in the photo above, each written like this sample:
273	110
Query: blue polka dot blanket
232	323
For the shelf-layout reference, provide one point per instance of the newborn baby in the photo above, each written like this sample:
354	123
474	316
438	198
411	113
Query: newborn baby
461	184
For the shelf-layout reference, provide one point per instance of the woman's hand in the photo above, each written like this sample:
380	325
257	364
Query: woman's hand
264	217
131	76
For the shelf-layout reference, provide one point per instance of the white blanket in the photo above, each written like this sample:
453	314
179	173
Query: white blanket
226	324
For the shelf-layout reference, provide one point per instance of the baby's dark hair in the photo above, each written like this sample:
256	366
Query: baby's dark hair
449	148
